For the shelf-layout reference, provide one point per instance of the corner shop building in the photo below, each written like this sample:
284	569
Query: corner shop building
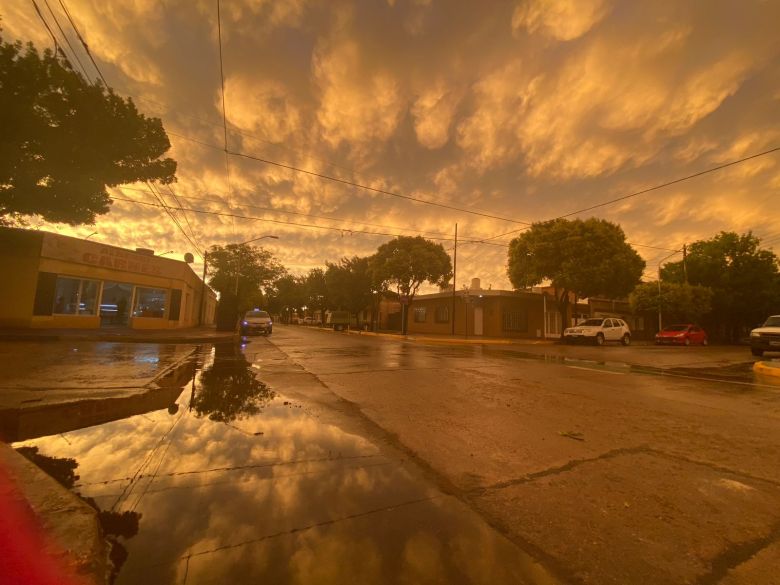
55	281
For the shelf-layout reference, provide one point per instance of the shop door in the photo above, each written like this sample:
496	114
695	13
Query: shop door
116	304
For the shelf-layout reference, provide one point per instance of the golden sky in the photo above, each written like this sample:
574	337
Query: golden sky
524	110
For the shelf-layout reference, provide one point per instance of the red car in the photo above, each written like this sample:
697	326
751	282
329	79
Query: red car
681	335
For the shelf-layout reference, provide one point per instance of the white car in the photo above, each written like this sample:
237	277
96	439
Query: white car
257	321
766	337
599	330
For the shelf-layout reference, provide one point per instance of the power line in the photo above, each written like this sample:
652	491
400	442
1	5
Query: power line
170	214
67	41
224	111
372	189
83	42
280	222
674	182
653	188
350	183
48	28
338	219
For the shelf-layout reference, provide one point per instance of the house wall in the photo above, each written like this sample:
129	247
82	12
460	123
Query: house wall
526	312
20	252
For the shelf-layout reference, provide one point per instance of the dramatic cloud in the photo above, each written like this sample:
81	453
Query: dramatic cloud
522	111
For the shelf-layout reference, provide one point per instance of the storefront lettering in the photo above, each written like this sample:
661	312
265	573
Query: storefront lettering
120	261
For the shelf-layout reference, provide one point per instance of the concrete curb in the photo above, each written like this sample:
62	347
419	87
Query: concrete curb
443	340
193	339
767	368
71	525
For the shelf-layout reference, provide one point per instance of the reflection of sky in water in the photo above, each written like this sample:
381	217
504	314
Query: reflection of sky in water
277	497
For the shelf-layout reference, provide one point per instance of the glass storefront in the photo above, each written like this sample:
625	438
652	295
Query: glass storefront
75	296
150	302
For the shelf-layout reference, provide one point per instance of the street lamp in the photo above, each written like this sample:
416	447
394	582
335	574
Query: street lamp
238	265
238	255
164	253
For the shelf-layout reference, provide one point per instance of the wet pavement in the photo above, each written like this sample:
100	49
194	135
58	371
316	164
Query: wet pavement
241	479
613	465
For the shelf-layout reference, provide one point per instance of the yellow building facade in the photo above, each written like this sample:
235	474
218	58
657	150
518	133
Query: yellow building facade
56	281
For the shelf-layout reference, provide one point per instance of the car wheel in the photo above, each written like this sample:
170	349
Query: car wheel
600	339
687	341
757	352
626	339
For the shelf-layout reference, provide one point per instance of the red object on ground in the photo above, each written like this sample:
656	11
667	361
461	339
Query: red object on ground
23	543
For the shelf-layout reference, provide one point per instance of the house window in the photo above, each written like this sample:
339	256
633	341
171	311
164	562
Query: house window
442	314
419	314
515	321
75	296
150	302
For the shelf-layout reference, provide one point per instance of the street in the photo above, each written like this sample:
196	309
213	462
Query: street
318	457
606	475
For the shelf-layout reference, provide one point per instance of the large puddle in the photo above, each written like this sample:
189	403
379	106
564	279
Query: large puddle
230	481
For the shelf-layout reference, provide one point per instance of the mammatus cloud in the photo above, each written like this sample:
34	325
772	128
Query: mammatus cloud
562	20
525	111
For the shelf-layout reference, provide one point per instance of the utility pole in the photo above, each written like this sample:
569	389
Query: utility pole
685	263
203	289
660	327
454	275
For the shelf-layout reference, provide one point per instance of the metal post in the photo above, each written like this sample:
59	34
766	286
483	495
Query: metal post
685	263
203	290
659	299
454	276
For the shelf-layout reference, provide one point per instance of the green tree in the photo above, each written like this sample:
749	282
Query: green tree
406	262
745	280
286	294
64	140
315	290
351	284
682	303
242	271
585	257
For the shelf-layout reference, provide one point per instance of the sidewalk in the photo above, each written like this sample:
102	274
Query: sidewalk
188	335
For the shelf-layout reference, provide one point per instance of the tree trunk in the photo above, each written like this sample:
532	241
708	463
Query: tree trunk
563	305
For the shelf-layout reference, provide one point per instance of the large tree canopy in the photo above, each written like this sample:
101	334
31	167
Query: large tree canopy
681	303
242	270
745	280
351	283
64	140
588	258
406	262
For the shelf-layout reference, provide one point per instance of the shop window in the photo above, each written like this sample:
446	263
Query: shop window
419	314
150	302
442	314
75	296
515	321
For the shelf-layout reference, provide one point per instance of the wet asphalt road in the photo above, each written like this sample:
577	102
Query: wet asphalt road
314	457
602	472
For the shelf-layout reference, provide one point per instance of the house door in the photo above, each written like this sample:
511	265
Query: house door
478	327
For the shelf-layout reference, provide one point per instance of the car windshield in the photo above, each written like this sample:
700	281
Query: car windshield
592	323
256	314
773	321
676	328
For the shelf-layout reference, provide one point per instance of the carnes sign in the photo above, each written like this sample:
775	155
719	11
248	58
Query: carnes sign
95	254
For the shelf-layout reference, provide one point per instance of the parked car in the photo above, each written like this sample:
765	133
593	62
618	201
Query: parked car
766	337
686	334
598	331
257	321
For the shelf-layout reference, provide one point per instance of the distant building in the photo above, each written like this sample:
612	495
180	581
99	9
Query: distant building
526	314
56	281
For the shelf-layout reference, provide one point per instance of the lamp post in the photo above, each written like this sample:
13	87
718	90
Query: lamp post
238	256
